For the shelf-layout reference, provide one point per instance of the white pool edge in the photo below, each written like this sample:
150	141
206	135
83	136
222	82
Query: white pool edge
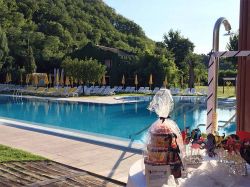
131	146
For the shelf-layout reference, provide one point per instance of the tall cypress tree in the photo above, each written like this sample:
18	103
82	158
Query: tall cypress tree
30	64
4	49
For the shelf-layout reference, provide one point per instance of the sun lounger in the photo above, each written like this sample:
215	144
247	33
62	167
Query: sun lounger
115	88
156	89
172	91
202	92
141	90
193	91
187	91
110	91
29	89
177	91
119	89
127	89
100	90
132	90
146	90
73	92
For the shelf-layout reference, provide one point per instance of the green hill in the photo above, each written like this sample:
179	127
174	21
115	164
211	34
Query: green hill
53	28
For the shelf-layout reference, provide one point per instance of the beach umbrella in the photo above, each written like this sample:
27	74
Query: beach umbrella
182	81
46	80
54	76
7	78
21	78
10	78
81	81
123	80
76	81
62	78
99	81
57	78
36	80
165	82
67	83
136	81
27	79
103	80
72	81
150	82
50	79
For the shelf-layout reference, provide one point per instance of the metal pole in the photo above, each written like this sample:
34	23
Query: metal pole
216	33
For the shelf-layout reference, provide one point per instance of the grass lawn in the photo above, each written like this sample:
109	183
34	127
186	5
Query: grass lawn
229	91
10	154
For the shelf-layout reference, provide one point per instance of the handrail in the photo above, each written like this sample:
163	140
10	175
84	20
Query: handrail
221	126
142	130
229	121
139	132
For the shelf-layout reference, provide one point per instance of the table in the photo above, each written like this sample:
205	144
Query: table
136	176
208	174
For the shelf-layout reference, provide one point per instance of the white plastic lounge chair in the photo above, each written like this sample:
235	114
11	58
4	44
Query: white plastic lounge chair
172	91
141	90
127	89
156	89
187	91
193	91
119	89
147	91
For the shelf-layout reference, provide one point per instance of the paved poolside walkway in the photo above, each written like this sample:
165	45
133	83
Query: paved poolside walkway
88	99
105	161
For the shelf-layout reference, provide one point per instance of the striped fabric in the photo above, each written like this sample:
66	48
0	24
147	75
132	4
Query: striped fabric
211	115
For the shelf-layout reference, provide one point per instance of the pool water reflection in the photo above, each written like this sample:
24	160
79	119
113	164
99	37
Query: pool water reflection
118	120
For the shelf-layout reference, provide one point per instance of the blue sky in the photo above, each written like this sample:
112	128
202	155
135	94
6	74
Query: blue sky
194	18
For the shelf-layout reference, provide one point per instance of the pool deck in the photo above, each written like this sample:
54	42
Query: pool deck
87	99
109	161
102	160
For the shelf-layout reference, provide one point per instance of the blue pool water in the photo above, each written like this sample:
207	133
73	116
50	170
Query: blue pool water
118	120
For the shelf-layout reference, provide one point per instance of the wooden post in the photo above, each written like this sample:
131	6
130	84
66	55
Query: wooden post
223	85
243	79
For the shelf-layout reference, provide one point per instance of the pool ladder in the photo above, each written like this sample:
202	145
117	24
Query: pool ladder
220	126
226	123
17	94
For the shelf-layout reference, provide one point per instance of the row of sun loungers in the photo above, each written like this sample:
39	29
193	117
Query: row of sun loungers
92	90
96	90
53	91
187	91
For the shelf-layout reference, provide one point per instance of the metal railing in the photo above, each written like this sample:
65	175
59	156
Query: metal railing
139	132
225	122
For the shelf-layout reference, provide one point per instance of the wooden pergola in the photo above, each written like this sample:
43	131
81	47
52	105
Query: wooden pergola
243	88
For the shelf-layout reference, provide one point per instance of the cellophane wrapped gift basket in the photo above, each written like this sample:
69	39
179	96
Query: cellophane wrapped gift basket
164	148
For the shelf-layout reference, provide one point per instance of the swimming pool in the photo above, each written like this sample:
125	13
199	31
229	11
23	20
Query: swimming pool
116	120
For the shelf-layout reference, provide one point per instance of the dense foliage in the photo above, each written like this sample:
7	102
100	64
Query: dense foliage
86	71
53	28
40	35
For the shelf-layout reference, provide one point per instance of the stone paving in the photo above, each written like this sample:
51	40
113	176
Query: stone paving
48	173
102	160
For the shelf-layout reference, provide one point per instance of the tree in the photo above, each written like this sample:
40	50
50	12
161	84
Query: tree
88	70
30	64
159	66
179	46
196	69
231	63
4	50
233	42
55	28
